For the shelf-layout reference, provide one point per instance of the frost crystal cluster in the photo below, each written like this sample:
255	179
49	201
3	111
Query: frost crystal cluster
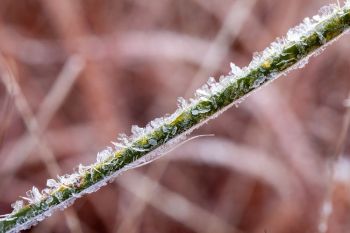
149	143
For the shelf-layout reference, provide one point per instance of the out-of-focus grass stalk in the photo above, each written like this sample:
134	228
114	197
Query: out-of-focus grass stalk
213	98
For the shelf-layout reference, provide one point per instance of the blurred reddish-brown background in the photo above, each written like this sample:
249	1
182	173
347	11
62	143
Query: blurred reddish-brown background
78	72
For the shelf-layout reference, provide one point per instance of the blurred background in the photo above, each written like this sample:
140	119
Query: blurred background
75	73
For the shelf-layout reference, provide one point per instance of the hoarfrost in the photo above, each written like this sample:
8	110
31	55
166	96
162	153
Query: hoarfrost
277	46
182	103
198	111
105	154
214	86
235	70
49	199
3	216
328	11
17	206
156	123
347	3
295	34
204	92
137	131
82	169
124	139
69	179
317	18
45	192
117	146
211	82
258	82
51	183
34	196
152	142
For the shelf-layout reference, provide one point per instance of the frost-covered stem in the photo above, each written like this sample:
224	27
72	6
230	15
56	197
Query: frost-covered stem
212	99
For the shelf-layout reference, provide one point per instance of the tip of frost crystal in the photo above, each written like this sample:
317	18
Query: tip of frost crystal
182	103
51	183
214	85
34	196
69	179
17	206
82	169
203	92
329	10
123	138
235	70
211	81
137	131
105	154
347	3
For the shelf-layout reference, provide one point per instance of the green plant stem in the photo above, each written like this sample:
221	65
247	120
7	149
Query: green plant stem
183	122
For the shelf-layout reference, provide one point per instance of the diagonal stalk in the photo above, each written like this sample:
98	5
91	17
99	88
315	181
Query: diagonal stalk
147	144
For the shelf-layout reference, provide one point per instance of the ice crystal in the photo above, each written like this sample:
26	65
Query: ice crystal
196	112
34	196
82	169
215	86
105	155
45	192
117	146
49	199
4	217
211	82
17	206
69	179
258	82
276	46
156	123
51	183
152	142
204	92
347	3
59	196
137	131
124	139
294	35
182	103
328	11
224	81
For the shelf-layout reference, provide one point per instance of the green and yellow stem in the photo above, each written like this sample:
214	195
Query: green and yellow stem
184	120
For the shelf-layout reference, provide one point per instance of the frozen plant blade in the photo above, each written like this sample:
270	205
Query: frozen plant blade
147	144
